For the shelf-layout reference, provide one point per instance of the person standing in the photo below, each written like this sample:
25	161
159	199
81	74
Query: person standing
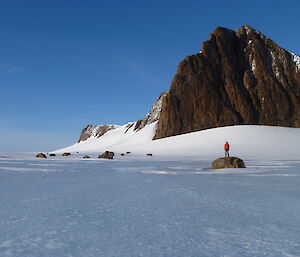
226	148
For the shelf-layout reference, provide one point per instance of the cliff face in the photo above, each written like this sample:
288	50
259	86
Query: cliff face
238	77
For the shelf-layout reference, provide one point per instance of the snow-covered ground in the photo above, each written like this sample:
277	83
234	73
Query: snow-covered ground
147	206
247	141
170	205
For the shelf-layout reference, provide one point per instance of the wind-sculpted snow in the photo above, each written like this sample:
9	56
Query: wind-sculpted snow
140	206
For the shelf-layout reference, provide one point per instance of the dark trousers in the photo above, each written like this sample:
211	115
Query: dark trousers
226	152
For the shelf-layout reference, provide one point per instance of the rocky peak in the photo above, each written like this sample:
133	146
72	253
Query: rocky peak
238	77
95	131
248	31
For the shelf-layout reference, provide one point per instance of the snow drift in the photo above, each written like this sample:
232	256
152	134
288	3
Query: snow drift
247	141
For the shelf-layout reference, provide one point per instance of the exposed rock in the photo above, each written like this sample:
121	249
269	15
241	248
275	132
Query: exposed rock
128	127
154	113
86	157
128	152
66	154
239	77
149	154
95	131
228	162
52	154
107	155
122	154
41	155
139	125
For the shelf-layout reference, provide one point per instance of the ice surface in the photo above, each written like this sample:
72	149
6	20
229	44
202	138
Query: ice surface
147	206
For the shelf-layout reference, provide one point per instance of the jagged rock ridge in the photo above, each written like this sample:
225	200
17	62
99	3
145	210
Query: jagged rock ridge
95	131
154	113
238	77
99	130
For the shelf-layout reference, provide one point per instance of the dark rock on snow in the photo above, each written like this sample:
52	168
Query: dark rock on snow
107	155
149	154
228	162
86	157
40	155
52	154
66	154
129	126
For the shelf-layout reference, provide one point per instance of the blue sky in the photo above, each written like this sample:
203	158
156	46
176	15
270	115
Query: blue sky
66	64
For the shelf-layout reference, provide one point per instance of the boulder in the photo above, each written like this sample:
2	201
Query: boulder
149	154
86	157
66	154
40	155
122	154
107	155
228	162
52	154
127	152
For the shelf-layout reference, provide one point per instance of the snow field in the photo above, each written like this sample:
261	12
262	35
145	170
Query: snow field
247	141
136	206
170	205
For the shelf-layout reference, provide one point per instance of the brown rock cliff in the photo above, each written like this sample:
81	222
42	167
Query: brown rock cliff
238	77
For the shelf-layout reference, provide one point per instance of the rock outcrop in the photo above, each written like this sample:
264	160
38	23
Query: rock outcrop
66	154
228	162
238	77
154	113
95	131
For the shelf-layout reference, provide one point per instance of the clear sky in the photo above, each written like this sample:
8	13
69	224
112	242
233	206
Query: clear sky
66	64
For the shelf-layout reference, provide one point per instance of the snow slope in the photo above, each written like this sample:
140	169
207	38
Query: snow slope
247	141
